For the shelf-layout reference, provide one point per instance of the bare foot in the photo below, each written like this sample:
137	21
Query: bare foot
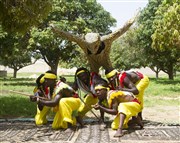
103	126
70	129
80	121
119	133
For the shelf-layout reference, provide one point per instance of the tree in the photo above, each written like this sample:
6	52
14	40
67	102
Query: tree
126	53
166	37
73	16
14	52
164	60
20	15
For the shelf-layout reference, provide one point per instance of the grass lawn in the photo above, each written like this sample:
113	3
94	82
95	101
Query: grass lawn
160	91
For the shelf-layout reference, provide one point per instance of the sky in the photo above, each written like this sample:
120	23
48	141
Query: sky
122	10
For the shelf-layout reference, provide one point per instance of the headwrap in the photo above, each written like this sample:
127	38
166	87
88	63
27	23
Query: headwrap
48	76
81	71
101	87
111	73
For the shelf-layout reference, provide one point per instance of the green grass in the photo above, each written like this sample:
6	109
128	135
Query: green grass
160	91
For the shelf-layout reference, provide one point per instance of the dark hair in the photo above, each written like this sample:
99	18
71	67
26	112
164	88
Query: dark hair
50	71
108	70
82	68
102	82
38	80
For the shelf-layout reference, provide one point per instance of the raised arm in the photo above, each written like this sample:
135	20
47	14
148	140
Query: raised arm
68	36
116	34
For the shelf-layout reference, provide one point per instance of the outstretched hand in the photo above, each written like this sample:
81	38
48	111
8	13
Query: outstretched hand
33	98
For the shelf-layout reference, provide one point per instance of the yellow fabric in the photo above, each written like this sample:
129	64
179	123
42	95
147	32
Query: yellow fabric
50	76
67	106
89	100
141	86
40	117
42	79
35	90
113	94
129	109
101	87
110	74
81	71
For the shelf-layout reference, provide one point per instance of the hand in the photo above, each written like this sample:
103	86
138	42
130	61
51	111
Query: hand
33	98
96	106
119	88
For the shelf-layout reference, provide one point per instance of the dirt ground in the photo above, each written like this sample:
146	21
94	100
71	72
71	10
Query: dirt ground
163	114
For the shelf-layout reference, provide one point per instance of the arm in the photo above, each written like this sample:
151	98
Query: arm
82	43
112	111
130	87
116	34
51	103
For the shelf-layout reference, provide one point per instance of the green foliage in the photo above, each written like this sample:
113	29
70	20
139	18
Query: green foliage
81	16
126	53
19	16
77	17
12	48
167	59
167	26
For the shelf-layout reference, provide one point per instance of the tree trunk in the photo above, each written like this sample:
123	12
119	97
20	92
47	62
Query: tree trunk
171	72
157	74
54	66
15	73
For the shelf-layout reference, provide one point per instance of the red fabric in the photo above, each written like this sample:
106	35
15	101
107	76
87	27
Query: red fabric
140	75
92	76
75	95
46	91
121	79
136	100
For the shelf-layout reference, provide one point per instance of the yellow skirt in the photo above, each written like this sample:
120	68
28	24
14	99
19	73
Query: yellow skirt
84	108
129	109
66	113
40	117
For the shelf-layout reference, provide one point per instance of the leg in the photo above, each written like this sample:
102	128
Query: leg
139	122
140	115
119	132
80	121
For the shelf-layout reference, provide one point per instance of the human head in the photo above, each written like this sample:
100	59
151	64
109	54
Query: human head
111	75
83	74
49	79
101	89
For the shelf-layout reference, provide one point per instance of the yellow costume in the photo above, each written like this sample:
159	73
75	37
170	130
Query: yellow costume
67	110
141	85
40	117
130	109
90	98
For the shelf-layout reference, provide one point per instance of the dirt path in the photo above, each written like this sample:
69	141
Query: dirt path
153	132
161	125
